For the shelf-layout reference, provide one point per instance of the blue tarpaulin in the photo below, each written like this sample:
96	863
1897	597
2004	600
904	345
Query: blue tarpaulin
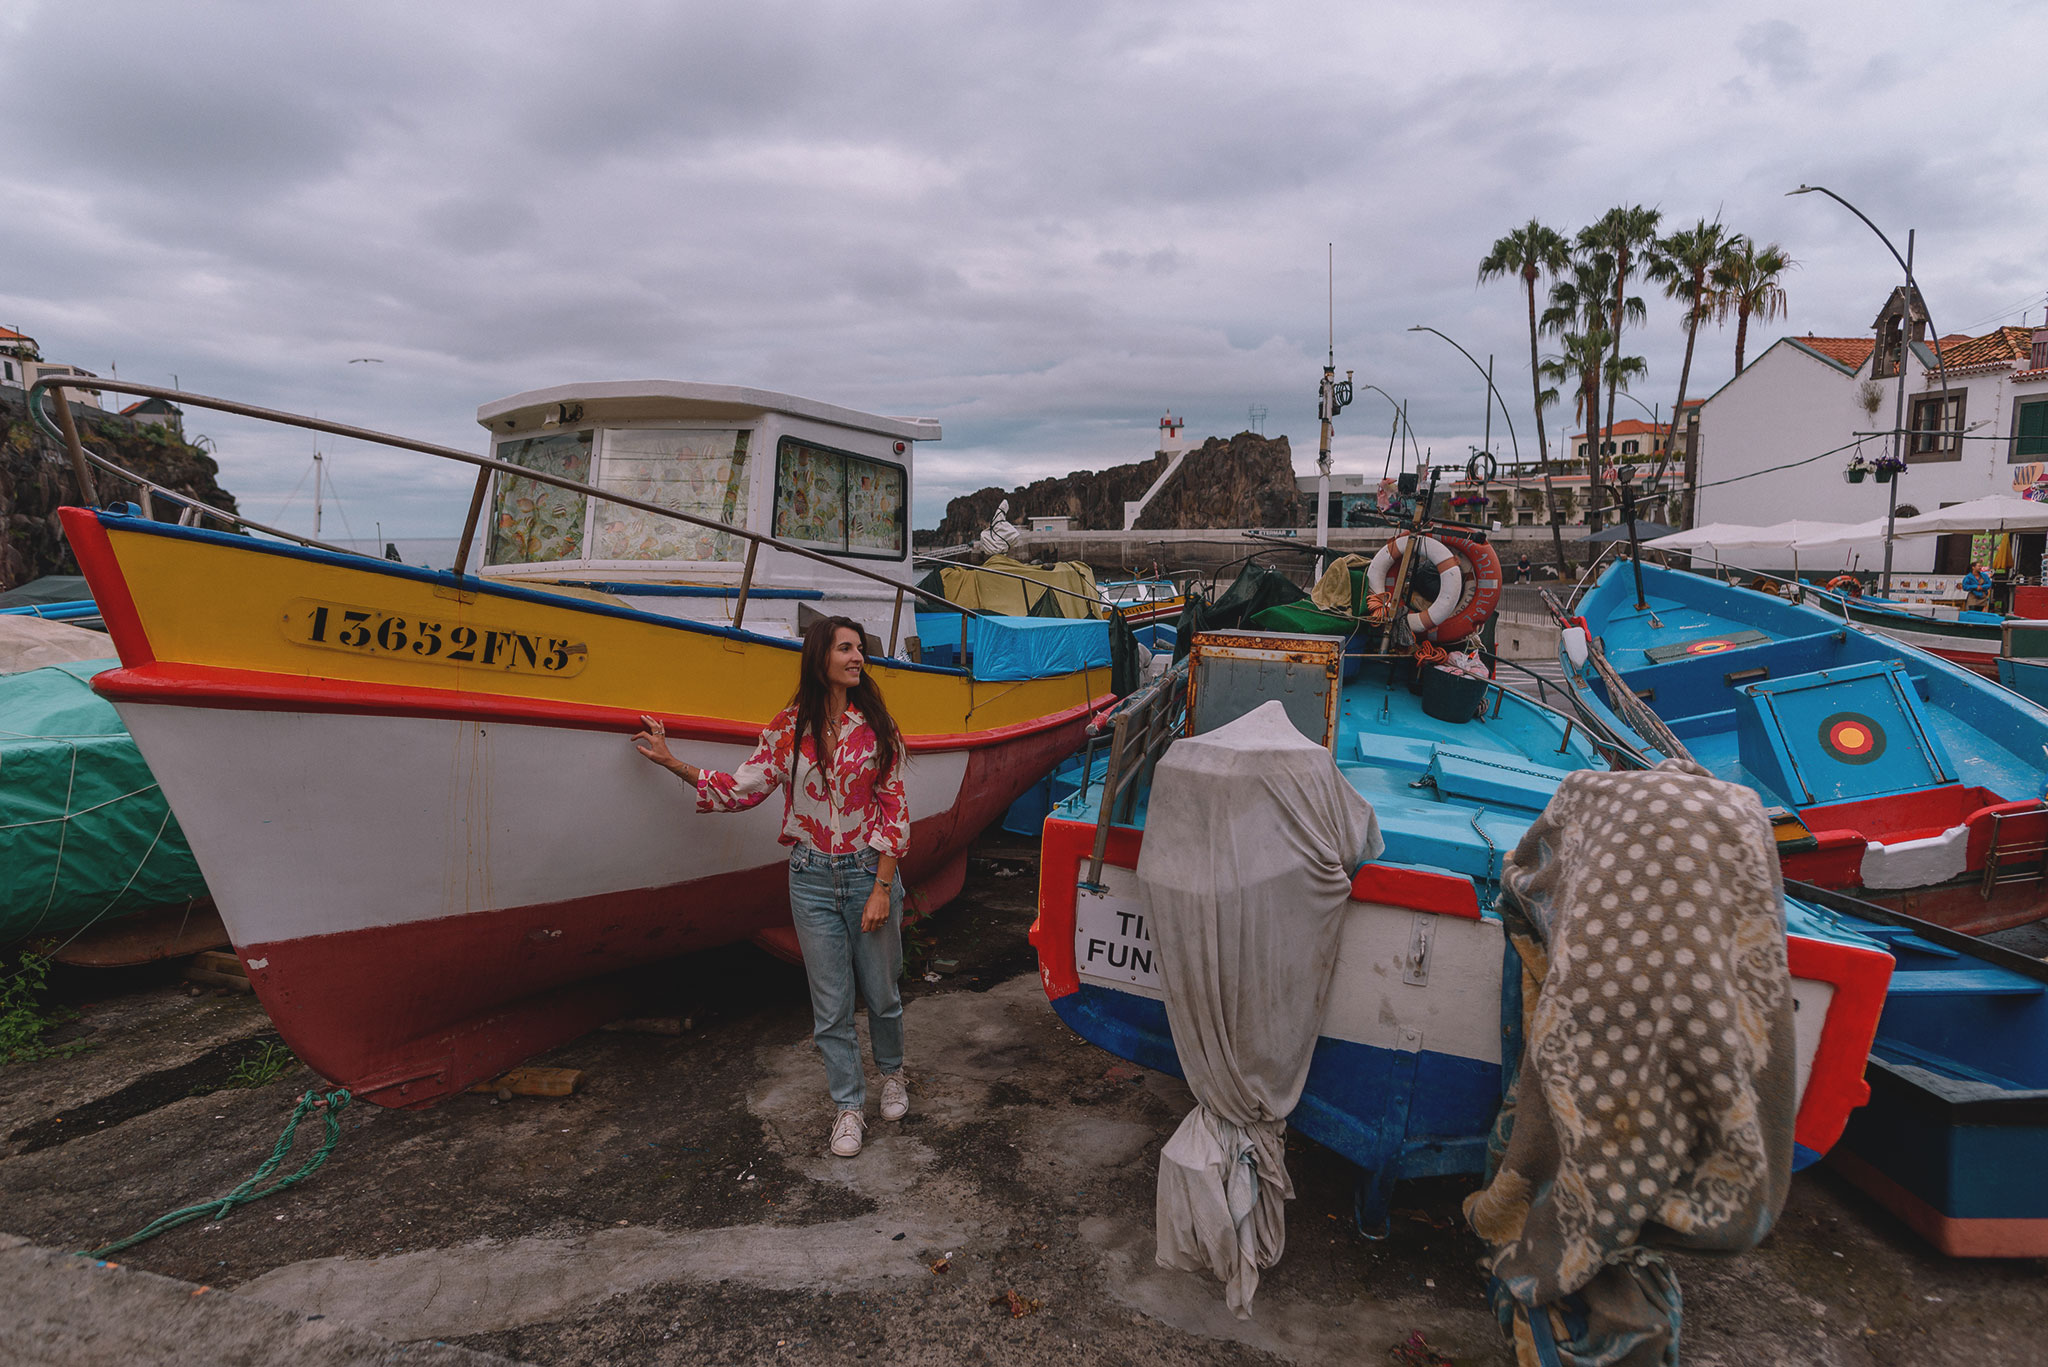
1019	647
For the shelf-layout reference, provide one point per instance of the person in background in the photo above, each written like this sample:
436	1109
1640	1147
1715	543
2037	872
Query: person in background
836	756
1524	572
1976	587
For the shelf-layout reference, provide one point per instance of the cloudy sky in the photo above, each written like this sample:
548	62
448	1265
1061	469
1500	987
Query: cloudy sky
1043	224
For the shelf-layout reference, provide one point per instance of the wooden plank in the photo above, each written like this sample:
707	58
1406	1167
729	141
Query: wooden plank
535	1082
217	961
157	933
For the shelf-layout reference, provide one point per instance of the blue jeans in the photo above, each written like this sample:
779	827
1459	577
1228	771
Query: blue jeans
826	895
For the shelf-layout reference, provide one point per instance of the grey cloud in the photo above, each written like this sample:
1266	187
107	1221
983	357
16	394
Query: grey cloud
1778	48
1044	225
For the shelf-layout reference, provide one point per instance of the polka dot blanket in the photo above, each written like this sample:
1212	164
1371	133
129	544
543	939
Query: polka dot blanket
1655	1098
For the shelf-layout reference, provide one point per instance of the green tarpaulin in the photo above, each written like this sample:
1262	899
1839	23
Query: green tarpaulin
85	832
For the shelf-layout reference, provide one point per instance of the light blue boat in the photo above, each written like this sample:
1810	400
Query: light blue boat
1407	1077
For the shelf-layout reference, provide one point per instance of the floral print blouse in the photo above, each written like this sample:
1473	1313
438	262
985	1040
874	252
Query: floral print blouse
850	812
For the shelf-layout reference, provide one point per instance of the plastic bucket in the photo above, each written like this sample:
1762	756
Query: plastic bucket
1451	696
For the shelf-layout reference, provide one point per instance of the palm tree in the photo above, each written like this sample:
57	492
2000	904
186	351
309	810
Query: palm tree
1686	262
1531	252
1580	307
1748	284
1630	236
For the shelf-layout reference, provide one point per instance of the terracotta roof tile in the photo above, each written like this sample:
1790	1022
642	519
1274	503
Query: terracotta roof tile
1630	427
10	335
1997	347
1850	351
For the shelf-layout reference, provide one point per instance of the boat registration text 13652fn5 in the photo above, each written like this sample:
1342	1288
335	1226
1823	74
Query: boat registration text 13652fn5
369	631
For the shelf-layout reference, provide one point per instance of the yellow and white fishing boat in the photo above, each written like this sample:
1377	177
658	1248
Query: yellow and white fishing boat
411	792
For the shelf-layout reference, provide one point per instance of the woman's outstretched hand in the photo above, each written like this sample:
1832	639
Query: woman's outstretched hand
653	743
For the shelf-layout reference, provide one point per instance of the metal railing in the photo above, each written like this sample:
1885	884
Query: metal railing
65	430
1141	728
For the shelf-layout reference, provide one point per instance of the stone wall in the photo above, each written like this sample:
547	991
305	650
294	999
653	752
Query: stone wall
1242	481
35	481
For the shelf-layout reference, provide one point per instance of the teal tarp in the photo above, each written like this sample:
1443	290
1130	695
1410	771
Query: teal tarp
84	830
1021	647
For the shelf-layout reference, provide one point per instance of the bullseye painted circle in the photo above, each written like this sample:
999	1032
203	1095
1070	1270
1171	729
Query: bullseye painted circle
1852	738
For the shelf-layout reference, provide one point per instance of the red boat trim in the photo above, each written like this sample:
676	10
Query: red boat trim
1957	1236
1448	893
1835	1084
102	571
1062	847
1065	843
249	690
1902	816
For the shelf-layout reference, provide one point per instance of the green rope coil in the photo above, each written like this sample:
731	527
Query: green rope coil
330	1107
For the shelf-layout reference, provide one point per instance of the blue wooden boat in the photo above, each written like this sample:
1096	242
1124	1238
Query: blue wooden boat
1903	778
1407	1076
1955	1135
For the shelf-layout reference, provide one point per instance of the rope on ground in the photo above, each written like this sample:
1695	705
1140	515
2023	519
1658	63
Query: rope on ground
330	1108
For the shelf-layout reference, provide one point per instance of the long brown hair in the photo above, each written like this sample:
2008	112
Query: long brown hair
813	691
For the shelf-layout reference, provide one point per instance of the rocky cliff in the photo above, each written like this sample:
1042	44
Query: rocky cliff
35	480
1243	481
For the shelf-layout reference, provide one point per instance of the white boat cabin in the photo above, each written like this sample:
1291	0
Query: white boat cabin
826	478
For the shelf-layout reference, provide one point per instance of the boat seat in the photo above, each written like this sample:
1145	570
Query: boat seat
1840	734
1395	752
1707	643
1492	780
1972	982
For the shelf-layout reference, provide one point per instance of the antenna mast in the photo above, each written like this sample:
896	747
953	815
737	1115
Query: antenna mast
1330	400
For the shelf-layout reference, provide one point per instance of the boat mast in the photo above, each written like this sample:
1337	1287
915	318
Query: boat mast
316	491
1331	398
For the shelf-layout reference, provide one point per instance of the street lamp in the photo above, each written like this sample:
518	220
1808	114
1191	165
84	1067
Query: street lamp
1891	515
1656	412
1401	426
1549	496
1491	389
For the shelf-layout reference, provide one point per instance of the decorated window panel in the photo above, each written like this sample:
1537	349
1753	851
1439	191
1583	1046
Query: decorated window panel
833	501
534	523
704	473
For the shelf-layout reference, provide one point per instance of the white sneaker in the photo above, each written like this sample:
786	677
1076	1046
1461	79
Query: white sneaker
895	1097
847	1132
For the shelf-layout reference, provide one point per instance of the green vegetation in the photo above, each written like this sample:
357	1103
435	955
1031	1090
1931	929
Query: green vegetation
262	1067
24	1017
1714	275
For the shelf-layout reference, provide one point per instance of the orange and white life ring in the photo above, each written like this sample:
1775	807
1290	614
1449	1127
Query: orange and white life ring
1846	584
1470	584
1484	581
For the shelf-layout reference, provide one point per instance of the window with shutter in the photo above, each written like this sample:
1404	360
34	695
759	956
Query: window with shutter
2030	430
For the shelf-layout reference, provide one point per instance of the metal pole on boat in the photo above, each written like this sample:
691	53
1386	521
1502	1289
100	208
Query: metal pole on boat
739	611
80	471
1635	550
316	491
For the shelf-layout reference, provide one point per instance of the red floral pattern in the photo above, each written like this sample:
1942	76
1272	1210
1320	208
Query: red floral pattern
851	811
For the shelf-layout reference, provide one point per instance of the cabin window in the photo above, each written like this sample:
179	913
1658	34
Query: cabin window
704	473
533	523
835	501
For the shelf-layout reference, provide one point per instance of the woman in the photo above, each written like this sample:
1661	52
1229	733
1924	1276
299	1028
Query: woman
845	814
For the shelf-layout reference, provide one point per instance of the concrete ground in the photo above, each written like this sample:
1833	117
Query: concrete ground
681	1208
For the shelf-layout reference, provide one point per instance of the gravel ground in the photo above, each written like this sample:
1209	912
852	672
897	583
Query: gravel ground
681	1207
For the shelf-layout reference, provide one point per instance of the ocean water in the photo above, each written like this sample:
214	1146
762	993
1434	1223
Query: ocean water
431	552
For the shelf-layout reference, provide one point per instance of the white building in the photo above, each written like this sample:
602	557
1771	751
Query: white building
1769	429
